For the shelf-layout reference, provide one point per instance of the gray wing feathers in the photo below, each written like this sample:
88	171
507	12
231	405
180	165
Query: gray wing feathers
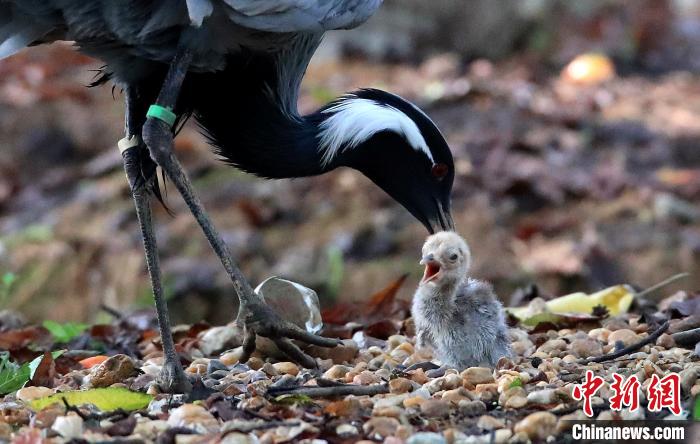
198	10
19	26
300	15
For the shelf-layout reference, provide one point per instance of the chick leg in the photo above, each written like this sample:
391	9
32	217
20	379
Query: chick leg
172	377
254	314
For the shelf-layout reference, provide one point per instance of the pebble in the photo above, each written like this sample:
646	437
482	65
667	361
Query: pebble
115	369
215	365
435	408
286	368
426	438
69	426
400	385
552	345
455	396
346	430
584	348
487	422
523	348
474	376
231	357
666	341
626	336
193	416
219	338
472	408
546	396
516	402
380	427
537	426
366	377
343	353
337	372
30	393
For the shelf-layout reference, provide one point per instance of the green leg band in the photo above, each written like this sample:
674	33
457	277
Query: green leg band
162	113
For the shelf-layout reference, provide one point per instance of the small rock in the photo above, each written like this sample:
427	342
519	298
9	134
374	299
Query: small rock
447	382
553	345
215	365
472	408
454	396
600	334
584	348
688	378
516	402
474	376
27	394
380	427
400	385
487	422
220	338
340	354
626	336
502	436
435	408
537	426
391	401
346	430
523	348
69	426
115	369
666	341
343	408
286	368
337	372
231	357
426	438
546	396
195	417
366	378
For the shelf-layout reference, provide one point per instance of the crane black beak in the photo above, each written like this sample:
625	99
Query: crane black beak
442	220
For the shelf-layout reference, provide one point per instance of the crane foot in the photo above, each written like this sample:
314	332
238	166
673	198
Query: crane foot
259	319
172	378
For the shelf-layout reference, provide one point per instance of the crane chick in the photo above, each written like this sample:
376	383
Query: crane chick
460	318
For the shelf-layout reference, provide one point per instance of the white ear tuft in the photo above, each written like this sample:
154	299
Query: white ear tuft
355	120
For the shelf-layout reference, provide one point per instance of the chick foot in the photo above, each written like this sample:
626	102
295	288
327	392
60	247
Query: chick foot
259	319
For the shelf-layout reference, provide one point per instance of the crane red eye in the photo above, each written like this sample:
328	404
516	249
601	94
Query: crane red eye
439	171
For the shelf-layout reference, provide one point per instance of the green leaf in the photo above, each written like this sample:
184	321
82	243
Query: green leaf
106	399
8	279
12	376
292	398
517	382
64	332
696	411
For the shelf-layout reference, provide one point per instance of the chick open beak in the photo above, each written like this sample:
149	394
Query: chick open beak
432	269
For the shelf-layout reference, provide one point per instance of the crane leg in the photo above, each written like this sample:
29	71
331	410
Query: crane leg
172	377
255	316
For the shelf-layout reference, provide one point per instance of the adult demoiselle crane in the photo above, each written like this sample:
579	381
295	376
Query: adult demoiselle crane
236	66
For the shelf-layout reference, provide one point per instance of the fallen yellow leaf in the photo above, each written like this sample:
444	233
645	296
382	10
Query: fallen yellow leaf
106	399
616	299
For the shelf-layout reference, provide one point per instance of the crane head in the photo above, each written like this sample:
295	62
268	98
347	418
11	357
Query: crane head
397	146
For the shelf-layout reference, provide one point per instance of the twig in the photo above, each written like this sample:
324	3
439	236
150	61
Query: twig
665	282
687	338
629	349
323	392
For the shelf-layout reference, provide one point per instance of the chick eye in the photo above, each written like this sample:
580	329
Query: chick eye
439	171
454	257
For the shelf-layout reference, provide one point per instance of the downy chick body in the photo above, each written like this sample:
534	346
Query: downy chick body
460	318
